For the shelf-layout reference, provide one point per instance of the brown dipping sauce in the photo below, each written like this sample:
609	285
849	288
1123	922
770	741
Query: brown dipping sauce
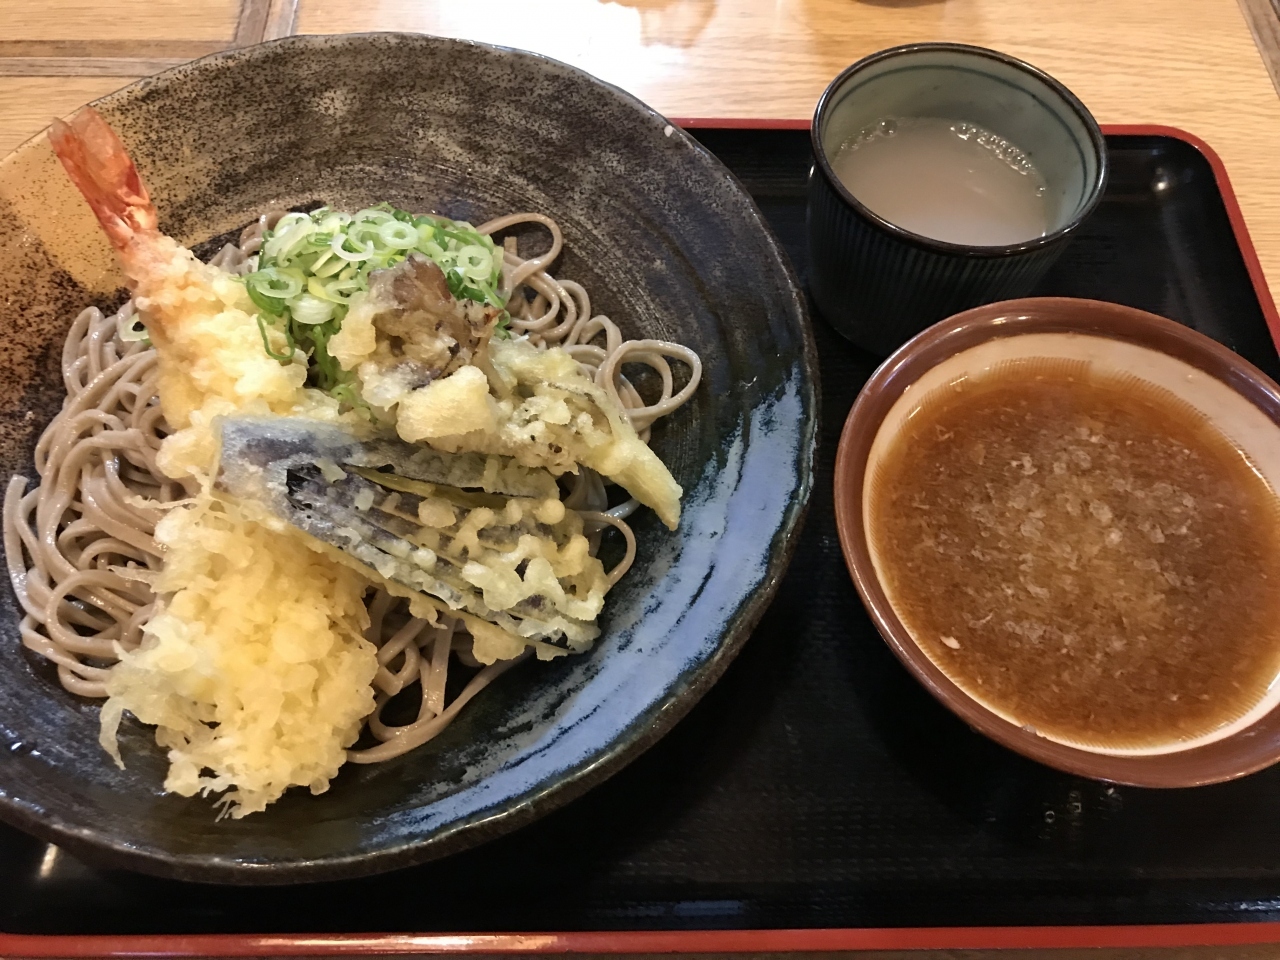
1085	553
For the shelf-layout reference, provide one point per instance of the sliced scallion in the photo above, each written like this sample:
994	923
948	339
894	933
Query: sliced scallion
311	265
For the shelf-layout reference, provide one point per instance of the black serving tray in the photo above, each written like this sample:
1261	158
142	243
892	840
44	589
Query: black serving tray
817	785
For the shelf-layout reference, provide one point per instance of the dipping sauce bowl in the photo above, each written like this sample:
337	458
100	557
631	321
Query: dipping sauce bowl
878	282
1207	384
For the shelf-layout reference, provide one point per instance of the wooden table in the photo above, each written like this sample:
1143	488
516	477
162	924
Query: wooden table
1192	64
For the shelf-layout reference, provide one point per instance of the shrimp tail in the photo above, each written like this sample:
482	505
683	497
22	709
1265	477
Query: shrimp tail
100	167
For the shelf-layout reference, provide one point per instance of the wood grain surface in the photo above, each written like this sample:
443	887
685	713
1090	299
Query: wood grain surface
27	103
118	19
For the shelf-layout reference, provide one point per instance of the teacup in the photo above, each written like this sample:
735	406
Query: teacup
878	282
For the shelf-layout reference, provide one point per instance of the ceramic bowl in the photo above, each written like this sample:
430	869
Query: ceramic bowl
878	283
1201	371
668	244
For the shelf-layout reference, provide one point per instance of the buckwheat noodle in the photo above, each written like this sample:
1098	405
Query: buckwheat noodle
79	544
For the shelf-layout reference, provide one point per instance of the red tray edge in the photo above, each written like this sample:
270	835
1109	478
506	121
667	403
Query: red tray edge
1234	213
645	942
717	941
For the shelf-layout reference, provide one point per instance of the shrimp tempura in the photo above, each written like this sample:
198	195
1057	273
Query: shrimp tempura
200	319
252	666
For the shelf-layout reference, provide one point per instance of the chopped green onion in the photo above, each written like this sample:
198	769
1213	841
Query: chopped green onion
275	283
311	265
272	305
327	265
131	329
475	262
400	236
266	343
312	310
339	246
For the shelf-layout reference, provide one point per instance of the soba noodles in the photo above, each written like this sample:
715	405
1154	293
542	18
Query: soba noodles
79	545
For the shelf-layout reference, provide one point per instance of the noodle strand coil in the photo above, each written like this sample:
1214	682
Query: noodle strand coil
79	544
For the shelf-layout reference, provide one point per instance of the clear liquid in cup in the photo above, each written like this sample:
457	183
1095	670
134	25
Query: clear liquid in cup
947	180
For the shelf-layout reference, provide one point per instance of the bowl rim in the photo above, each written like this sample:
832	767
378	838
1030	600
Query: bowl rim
1243	752
1097	141
645	730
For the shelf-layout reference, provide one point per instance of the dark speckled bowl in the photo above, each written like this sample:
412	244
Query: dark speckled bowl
668	244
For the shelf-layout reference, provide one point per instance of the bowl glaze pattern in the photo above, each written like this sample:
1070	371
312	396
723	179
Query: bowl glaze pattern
668	244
